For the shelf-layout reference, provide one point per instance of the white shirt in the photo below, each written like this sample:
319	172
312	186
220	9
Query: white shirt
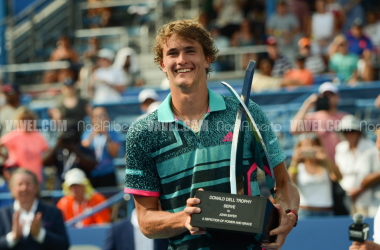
322	25
113	76
25	219
353	167
315	190
376	227
141	241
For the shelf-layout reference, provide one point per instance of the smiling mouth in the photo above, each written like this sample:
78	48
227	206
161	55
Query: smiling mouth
184	70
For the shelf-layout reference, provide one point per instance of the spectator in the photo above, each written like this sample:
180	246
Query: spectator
70	107
30	223
68	153
92	51
336	9
63	52
244	37
79	197
301	10
281	63
369	245
357	41
356	157
126	59
343	63
229	15
372	28
7	170
284	26
321	29
98	17
323	119
298	76
221	42
313	62
313	172
352	9
263	79
108	83
148	100
105	143
126	235
25	144
7	112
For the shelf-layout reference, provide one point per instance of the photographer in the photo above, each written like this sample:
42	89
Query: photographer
323	119
369	245
68	153
313	173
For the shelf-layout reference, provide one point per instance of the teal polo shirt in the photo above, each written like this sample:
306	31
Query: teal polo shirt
166	159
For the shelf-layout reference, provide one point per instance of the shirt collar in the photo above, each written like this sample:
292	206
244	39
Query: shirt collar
165	113
33	209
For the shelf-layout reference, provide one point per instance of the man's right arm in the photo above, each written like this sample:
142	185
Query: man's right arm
157	224
300	116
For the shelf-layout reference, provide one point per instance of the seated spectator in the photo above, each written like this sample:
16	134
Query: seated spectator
221	42
357	41
126	59
281	63
105	143
79	197
7	169
108	83
356	157
284	26
229	15
323	119
7	112
263	80
126	235
343	63
98	17
372	28
314	63
63	52
149	101
70	107
30	223
91	53
244	37
313	172
298	76
68	153
25	144
321	29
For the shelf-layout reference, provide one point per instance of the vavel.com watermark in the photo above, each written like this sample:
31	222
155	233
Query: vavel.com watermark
35	125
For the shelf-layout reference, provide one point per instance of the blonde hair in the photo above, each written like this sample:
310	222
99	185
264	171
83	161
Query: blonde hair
22	112
190	30
88	189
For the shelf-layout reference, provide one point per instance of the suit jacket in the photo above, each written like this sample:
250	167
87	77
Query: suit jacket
121	237
52	220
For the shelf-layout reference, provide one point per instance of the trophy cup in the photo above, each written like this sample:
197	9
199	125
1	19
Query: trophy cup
236	218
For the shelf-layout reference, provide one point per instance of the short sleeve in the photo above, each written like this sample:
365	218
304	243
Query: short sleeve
275	152
7	140
141	176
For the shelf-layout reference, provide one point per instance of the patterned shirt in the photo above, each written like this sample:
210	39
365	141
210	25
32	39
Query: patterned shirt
165	159
281	65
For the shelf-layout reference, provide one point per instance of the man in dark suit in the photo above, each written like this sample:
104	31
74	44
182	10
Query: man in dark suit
29	223
126	235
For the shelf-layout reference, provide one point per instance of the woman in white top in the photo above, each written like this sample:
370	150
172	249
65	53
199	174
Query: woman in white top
312	171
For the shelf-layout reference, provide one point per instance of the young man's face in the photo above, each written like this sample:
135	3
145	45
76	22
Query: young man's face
184	63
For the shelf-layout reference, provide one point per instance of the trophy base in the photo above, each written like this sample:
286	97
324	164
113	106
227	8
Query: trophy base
236	218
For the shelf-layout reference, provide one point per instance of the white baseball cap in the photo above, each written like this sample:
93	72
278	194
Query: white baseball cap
74	176
349	123
146	94
328	86
107	54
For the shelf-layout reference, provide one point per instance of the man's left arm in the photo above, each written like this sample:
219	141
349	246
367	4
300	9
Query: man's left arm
287	197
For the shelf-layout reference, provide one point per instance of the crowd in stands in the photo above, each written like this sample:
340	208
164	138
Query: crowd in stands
333	168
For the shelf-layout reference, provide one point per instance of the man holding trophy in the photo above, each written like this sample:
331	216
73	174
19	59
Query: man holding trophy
186	145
